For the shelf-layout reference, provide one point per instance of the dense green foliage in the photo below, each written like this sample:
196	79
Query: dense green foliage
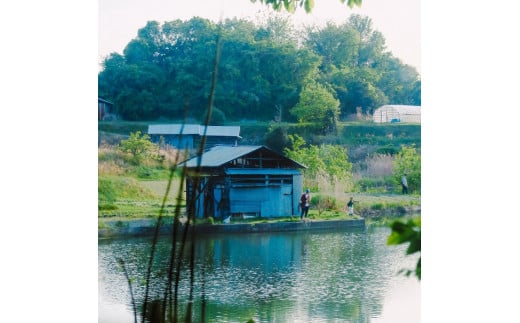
388	138
318	105
408	161
165	72
325	162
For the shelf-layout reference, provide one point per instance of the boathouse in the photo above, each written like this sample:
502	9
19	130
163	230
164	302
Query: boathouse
242	181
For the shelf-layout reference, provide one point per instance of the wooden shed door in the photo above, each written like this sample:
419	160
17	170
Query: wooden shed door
267	201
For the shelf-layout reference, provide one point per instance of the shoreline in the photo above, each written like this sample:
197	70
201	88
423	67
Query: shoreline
147	227
114	228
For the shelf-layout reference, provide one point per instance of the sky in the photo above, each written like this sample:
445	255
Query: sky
398	20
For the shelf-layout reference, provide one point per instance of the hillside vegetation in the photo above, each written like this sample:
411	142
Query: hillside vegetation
130	189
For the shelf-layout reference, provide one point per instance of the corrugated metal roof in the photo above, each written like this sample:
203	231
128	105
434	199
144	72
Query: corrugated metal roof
219	155
193	129
173	129
229	131
262	171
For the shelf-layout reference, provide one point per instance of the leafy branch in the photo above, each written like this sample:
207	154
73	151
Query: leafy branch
308	5
407	232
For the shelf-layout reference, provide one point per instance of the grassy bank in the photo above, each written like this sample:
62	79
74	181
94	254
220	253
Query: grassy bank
140	198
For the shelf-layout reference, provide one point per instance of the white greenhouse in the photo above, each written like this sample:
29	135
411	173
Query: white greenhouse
397	113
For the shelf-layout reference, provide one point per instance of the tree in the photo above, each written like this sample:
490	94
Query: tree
284	68
408	161
218	118
139	147
336	162
371	42
277	138
349	52
317	105
165	71
277	29
337	45
400	82
362	91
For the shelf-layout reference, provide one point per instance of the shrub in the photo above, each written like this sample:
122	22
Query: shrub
276	138
401	209
327	162
374	185
387	150
107	207
324	202
145	172
377	206
408	161
139	147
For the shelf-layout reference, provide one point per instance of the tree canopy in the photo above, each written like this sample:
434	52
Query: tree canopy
264	70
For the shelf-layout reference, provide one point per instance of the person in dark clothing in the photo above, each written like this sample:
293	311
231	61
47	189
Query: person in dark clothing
350	206
305	202
404	184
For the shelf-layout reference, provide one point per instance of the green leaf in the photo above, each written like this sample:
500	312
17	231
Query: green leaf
352	3
409	231
415	246
309	5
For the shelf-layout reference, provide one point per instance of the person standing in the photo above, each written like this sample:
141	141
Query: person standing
404	184
350	206
305	201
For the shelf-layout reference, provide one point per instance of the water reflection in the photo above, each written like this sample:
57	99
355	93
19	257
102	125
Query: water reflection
282	277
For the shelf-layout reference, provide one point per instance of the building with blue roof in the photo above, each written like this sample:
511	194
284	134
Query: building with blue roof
239	181
189	136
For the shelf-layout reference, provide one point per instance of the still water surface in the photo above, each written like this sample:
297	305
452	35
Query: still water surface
279	277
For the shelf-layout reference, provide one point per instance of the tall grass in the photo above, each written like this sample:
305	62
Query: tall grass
379	165
374	174
129	190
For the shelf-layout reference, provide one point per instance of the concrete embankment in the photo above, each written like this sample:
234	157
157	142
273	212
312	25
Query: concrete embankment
145	227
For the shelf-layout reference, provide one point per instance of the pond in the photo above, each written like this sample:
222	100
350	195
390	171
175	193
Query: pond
347	276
